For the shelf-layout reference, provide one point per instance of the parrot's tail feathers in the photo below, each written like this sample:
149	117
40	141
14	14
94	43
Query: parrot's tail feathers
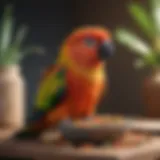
55	116
27	135
37	115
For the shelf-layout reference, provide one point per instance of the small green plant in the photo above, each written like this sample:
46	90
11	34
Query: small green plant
11	51
149	22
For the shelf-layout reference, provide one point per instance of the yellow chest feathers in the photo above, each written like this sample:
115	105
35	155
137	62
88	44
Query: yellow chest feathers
94	74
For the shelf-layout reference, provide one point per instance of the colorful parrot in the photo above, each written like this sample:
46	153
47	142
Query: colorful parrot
72	87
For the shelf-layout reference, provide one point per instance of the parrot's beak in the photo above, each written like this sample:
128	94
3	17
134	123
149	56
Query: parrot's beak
106	50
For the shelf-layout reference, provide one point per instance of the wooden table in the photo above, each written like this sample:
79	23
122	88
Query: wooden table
36	150
7	132
39	151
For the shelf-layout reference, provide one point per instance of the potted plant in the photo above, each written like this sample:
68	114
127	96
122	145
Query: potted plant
12	85
148	51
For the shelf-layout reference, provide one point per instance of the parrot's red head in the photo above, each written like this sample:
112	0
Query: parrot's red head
89	46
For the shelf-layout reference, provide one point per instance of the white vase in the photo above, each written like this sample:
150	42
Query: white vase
12	97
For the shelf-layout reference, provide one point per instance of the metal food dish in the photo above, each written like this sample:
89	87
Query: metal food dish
101	127
93	130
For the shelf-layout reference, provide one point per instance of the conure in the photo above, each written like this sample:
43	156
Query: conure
72	87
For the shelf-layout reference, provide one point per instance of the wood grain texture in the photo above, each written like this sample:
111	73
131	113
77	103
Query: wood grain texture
36	150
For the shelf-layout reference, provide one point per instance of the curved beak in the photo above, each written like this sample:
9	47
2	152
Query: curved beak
106	50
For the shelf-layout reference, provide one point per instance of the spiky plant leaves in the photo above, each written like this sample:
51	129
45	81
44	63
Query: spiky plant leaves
6	30
132	41
11	52
139	63
20	36
142	18
29	50
150	25
155	9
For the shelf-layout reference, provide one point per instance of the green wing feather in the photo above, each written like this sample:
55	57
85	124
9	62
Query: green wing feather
51	92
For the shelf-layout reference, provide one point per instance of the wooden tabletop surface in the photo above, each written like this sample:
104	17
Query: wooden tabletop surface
37	149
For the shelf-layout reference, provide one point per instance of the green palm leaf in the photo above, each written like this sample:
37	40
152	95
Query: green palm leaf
33	49
12	52
20	36
149	60
139	63
16	58
143	19
29	50
132	41
6	29
155	4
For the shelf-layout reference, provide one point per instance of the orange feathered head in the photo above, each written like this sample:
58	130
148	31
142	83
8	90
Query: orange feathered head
89	46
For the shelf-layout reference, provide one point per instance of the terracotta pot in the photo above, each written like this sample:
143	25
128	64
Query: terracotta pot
151	94
11	97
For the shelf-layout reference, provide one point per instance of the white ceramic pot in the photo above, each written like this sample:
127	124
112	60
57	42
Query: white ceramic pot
12	97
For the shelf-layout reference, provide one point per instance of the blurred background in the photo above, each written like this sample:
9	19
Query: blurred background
51	21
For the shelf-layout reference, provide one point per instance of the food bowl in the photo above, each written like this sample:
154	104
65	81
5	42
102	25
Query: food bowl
95	129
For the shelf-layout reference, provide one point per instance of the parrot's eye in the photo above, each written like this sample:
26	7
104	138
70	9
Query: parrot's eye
90	42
